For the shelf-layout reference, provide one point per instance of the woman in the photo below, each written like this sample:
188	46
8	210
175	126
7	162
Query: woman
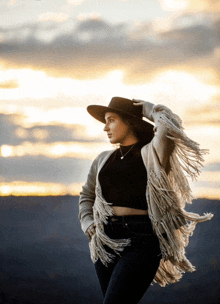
132	205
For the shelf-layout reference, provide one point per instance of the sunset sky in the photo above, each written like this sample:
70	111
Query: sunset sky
59	56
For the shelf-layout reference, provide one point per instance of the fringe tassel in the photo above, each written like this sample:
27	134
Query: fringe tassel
179	182
174	223
190	156
169	272
101	211
97	243
103	208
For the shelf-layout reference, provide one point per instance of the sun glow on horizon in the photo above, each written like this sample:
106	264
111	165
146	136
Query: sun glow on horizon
22	188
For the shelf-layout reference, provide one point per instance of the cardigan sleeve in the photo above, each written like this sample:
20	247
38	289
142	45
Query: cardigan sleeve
162	143
180	156
87	198
170	138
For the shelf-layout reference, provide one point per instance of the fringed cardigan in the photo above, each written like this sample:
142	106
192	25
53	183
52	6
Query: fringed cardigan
167	192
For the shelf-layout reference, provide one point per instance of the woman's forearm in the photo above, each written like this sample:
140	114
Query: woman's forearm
87	199
161	141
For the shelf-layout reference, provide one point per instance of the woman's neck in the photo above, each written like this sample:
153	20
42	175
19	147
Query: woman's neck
129	141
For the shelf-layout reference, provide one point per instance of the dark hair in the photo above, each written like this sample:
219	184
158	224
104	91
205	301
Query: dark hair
139	131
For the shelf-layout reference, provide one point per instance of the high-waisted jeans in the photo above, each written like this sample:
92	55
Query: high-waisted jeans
129	276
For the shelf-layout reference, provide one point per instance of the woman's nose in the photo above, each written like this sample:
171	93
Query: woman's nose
106	128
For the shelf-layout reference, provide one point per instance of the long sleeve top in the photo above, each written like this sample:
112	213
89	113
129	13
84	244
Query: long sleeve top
167	158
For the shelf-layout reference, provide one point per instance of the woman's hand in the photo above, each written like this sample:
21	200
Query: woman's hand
147	107
90	231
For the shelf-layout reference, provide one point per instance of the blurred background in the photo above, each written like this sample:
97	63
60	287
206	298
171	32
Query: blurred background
59	56
56	58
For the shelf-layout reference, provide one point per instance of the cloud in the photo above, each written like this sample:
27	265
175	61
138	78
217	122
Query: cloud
12	2
50	16
85	16
75	2
10	84
95	47
212	167
206	114
43	169
208	183
191	5
13	133
8	128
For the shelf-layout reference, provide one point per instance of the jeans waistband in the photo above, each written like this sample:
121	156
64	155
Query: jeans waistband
128	226
129	218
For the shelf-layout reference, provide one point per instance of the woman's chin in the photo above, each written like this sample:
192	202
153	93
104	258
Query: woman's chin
112	141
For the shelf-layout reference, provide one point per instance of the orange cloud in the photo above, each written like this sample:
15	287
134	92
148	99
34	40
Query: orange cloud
12	2
9	84
204	5
204	115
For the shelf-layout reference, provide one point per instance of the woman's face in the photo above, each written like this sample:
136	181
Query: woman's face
117	130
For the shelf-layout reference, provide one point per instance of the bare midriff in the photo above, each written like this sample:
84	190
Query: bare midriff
120	211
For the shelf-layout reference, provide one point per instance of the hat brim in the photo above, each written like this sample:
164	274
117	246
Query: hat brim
98	112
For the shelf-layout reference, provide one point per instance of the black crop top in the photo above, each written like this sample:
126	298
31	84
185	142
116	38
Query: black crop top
124	181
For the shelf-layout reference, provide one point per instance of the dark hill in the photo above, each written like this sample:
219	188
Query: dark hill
45	256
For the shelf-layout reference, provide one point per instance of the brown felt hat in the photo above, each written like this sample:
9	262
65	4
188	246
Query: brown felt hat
124	106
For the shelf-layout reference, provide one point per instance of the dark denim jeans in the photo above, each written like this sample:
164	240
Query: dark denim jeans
129	276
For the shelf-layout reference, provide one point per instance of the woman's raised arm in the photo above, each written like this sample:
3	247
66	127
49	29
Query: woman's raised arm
163	145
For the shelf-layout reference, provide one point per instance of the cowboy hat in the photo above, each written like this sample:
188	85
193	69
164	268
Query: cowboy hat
122	106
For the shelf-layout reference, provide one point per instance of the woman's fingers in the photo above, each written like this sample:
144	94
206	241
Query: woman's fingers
138	102
91	231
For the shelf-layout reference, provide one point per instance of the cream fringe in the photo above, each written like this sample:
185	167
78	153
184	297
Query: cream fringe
173	223
101	211
170	192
